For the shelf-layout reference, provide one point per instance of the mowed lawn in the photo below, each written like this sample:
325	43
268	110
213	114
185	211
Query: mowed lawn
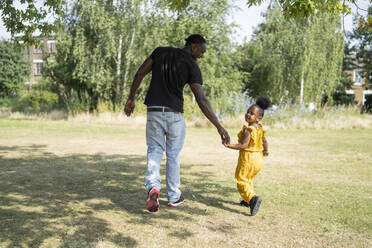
81	185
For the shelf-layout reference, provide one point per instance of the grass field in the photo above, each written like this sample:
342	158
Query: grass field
66	184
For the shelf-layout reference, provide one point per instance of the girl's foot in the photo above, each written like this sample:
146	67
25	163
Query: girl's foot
254	204
244	203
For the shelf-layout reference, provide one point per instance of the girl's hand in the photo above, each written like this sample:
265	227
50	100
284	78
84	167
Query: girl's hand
265	153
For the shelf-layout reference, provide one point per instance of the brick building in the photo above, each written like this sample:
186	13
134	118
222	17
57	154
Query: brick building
359	88
35	54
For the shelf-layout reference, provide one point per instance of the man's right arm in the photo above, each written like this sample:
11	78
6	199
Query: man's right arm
206	108
144	69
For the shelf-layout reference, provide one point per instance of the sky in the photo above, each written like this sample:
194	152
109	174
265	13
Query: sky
246	18
249	18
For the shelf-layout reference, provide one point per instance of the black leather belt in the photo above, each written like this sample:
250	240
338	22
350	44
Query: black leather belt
159	109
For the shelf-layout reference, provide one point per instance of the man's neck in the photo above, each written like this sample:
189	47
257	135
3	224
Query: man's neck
187	49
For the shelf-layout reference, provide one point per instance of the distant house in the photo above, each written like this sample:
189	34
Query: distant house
35	55
360	87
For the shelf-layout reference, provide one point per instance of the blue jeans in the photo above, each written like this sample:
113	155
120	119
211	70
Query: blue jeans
165	131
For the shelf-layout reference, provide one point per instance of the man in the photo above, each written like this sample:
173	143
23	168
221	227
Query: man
171	69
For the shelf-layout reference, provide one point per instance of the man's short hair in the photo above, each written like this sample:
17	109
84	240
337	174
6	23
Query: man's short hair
195	39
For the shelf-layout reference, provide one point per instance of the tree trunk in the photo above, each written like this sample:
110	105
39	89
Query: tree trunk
118	69
128	57
302	89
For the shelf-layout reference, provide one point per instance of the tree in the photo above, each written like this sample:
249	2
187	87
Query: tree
323	57
26	21
293	61
85	50
290	8
15	69
208	17
363	46
306	8
103	44
348	64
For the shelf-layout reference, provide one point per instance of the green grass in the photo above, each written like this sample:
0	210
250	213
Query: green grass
77	185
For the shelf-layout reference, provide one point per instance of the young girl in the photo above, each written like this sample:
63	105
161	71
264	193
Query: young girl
252	147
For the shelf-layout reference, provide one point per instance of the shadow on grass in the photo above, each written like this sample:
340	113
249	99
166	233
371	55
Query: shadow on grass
45	196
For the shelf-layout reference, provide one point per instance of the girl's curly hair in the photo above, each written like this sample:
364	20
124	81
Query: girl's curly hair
263	103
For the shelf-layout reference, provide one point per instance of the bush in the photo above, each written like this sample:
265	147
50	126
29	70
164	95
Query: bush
5	102
341	98
37	101
367	106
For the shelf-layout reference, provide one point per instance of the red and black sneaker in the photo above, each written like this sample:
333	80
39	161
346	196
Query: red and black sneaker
177	203
152	203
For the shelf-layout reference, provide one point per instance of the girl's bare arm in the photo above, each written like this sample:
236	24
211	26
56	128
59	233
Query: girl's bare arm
243	144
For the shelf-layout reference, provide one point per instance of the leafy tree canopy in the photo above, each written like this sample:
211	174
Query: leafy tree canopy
14	69
304	8
293	61
290	8
102	45
32	17
363	47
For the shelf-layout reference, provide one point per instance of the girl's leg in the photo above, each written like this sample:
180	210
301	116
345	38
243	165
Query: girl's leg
245	173
244	181
256	160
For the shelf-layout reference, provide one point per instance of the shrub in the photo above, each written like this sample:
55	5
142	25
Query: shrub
341	98
37	101
5	102
367	106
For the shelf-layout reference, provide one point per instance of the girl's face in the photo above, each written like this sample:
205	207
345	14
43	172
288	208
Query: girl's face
253	115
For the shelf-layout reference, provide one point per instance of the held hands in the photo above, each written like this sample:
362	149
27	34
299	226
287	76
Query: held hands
129	107
225	138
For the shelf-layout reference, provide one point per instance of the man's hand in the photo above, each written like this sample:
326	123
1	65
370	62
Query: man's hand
225	138
227	145
129	107
265	153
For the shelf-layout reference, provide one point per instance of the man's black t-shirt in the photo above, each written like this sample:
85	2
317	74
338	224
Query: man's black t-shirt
172	68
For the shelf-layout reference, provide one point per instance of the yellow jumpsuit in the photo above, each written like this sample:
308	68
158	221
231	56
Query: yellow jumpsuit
250	161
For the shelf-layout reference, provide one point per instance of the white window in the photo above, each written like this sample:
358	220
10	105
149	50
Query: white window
357	77
51	46
38	67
